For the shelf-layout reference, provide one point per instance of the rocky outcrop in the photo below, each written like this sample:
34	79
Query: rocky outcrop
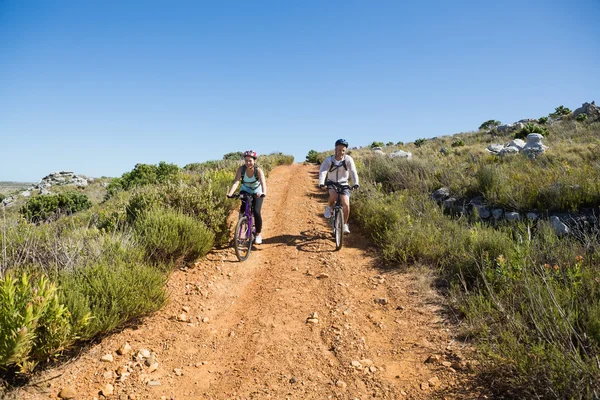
62	178
531	148
563	223
589	109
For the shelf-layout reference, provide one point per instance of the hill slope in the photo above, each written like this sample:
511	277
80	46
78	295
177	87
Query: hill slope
239	330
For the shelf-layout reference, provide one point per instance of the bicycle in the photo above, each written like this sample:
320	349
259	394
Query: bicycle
245	231
337	216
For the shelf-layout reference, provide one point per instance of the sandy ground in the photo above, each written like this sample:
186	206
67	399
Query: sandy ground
236	330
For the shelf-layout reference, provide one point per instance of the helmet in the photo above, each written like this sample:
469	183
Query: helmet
250	153
342	142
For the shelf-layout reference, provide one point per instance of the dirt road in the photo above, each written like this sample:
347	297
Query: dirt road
237	330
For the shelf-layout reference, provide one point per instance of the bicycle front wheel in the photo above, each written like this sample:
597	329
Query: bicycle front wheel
242	240
338	228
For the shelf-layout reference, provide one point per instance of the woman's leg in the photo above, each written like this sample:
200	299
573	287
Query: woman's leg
257	217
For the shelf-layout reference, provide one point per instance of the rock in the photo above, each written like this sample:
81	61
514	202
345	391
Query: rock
559	227
401	154
178	371
182	318
512	216
356	364
381	300
153	383
108	375
323	275
107	390
67	392
293	380
185	309
313	321
435	381
434	358
341	384
153	367
107	358
124	349
534	145
441	194
144	353
424	385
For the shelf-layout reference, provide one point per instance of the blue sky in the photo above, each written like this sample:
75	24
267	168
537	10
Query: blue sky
95	87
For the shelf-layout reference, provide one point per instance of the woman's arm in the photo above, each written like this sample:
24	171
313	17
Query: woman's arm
263	181
236	182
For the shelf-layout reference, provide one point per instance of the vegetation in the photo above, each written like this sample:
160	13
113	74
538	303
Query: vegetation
489	124
44	207
529	299
560	111
95	265
531	128
312	156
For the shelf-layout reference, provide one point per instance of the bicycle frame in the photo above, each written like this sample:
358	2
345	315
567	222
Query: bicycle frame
337	217
244	230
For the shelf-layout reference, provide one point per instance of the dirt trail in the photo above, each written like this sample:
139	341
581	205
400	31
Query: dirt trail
237	330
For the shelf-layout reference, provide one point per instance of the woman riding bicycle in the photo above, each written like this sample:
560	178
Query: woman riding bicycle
338	168
253	182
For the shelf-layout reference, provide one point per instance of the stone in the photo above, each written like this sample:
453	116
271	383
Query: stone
323	275
124	349
107	358
107	390
68	392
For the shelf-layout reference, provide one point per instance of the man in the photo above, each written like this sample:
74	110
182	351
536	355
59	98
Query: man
338	168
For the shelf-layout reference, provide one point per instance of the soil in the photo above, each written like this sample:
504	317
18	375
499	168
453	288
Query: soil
297	320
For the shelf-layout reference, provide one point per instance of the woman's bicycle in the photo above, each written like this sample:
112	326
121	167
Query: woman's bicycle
245	231
337	216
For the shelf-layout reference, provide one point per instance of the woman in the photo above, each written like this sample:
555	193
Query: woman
253	182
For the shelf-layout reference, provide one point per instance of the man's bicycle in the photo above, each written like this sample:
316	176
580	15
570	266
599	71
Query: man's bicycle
337	216
245	231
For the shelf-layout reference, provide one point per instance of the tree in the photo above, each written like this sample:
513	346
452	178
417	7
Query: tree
489	124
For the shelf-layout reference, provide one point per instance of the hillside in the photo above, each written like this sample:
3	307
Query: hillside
240	330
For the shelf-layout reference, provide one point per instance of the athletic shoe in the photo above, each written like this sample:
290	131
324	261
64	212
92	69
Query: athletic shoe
327	212
258	239
346	229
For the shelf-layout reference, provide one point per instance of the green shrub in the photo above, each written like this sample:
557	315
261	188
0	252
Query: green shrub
581	117
531	128
234	156
112	293
169	236
312	156
144	174
458	143
44	207
560	111
376	144
489	124
420	142
2	197
35	325
543	120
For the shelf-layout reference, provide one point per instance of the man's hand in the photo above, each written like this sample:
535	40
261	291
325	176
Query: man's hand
355	187
263	195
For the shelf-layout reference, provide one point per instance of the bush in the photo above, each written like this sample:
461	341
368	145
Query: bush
234	156
312	156
543	120
420	142
112	293
376	144
144	174
531	128
458	143
581	117
35	325
45	207
560	111
169	236
489	124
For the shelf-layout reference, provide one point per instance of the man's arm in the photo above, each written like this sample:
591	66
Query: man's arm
323	170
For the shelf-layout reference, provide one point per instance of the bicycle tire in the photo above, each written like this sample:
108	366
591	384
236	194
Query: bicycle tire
338	228
242	241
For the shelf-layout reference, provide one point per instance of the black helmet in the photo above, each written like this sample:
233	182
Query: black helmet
342	142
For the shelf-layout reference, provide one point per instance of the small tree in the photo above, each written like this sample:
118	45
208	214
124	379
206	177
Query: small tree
376	144
420	142
581	117
531	128
312	156
489	124
235	156
543	120
560	111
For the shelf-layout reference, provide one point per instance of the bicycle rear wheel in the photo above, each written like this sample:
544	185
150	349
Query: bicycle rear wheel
242	239
338	228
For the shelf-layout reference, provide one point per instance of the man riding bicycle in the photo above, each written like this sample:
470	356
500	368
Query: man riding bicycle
338	168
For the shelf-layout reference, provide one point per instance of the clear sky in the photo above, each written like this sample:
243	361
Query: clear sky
97	86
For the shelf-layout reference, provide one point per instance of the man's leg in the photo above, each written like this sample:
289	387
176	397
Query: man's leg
346	207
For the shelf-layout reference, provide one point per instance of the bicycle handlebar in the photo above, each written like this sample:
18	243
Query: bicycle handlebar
338	187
